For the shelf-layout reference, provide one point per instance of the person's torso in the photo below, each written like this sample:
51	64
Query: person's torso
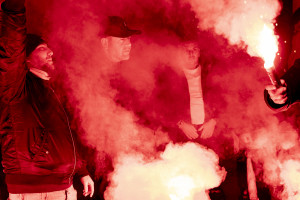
36	137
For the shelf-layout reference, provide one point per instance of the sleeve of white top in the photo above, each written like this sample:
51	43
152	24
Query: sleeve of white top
193	77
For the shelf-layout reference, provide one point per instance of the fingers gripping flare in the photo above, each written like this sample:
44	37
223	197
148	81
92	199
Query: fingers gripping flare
278	94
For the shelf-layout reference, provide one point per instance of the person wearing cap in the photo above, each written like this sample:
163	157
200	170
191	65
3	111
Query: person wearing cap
39	156
116	44
115	39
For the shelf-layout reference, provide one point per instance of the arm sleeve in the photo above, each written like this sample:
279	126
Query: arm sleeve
81	168
12	52
274	106
14	5
193	77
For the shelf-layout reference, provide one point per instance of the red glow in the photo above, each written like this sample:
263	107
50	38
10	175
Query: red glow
232	84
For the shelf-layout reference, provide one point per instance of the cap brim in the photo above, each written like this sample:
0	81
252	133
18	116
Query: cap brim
130	32
135	32
122	33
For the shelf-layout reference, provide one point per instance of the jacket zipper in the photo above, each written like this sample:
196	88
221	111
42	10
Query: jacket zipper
74	150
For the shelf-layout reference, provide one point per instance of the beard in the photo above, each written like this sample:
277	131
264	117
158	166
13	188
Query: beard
125	56
49	68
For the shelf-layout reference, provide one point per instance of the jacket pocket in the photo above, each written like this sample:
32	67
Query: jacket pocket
38	143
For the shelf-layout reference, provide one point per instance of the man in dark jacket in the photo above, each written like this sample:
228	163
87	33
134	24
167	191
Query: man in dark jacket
38	150
280	98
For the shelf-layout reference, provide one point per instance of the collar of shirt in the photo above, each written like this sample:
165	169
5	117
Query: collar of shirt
40	73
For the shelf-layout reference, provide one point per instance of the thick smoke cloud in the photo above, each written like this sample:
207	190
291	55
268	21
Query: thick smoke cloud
233	80
239	21
290	176
181	172
107	126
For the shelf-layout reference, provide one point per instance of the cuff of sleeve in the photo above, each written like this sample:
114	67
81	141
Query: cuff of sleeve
272	105
82	171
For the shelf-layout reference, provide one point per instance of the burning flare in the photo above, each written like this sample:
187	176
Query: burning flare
268	46
267	49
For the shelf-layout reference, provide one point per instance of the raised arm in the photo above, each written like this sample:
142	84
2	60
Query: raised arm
13	28
14	5
12	49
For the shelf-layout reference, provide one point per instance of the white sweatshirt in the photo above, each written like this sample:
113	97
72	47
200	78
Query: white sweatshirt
193	77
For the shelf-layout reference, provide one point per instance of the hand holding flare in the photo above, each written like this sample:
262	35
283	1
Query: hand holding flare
267	49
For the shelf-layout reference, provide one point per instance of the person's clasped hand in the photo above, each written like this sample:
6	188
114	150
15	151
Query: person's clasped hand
188	129
278	94
191	131
208	129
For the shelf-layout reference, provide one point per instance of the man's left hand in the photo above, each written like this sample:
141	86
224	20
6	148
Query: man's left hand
88	186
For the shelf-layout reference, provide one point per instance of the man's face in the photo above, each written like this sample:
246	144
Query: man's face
118	49
41	58
189	55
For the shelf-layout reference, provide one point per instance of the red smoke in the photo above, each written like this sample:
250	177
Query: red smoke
233	80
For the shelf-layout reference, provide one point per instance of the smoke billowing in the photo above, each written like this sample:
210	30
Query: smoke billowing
113	122
239	21
181	172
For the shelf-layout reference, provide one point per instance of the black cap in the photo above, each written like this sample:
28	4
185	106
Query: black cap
117	27
32	41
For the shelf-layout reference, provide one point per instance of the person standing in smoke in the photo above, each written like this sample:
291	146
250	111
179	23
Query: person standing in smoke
116	45
115	39
156	112
192	71
288	92
38	150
